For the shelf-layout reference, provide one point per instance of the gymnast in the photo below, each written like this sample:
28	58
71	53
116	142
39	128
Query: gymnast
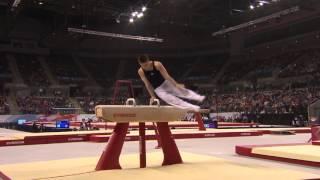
159	83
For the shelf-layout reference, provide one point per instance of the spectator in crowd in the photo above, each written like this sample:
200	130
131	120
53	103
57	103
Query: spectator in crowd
41	105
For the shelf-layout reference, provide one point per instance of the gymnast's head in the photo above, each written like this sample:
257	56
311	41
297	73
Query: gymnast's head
144	60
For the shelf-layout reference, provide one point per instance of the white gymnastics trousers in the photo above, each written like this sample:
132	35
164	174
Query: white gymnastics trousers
171	95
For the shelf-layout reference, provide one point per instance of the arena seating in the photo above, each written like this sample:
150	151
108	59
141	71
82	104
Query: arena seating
306	64
264	102
256	67
289	64
264	68
206	68
66	70
42	105
4	106
88	103
102	70
267	99
5	73
32	71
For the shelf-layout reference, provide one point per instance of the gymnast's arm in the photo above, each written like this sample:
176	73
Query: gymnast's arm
166	75
146	83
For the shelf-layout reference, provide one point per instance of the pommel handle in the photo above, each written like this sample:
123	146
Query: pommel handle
155	100
131	100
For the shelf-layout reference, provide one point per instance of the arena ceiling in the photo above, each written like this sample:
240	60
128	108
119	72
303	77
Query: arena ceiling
202	14
194	19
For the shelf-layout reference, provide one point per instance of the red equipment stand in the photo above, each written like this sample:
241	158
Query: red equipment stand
157	135
117	89
110	156
315	132
198	117
142	144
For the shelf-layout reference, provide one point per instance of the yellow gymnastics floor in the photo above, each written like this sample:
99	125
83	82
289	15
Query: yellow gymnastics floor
195	167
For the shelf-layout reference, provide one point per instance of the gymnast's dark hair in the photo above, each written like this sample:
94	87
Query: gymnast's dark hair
143	58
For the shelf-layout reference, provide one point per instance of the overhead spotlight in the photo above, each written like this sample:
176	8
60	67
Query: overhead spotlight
237	10
261	3
264	2
131	20
251	6
40	3
15	4
140	15
134	14
144	9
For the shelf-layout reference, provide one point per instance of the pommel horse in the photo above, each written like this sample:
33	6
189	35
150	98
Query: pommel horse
123	115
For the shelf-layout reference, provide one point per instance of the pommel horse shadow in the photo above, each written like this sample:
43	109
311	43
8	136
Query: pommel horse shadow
123	115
